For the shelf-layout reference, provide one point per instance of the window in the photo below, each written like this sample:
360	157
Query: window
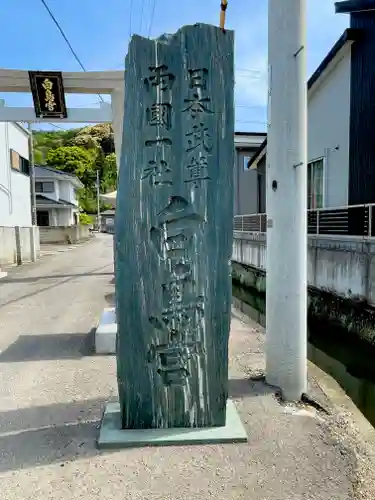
25	165
315	184
246	160
19	163
44	187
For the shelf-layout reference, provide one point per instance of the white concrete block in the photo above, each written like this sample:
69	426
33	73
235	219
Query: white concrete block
3	274
105	335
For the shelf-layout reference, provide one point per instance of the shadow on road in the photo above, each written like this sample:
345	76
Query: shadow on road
63	432
49	347
110	299
55	276
44	435
243	387
95	272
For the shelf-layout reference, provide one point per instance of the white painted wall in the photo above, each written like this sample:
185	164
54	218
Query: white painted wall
15	196
328	129
67	192
73	195
21	215
65	217
340	265
18	140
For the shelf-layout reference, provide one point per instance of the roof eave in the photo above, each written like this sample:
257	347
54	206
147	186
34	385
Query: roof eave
254	161
349	36
349	6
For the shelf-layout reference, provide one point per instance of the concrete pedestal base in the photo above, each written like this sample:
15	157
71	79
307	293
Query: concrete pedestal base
113	437
105	335
3	274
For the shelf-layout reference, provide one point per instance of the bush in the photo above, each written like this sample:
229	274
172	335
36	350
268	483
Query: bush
85	219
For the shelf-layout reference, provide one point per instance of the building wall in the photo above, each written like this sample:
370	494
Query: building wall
50	195
63	190
21	215
18	140
65	217
328	130
345	266
245	184
362	137
19	244
15	193
262	185
72	234
67	192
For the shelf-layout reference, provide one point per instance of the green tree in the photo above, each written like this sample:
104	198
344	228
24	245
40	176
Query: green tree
46	140
101	134
108	174
85	219
82	152
75	160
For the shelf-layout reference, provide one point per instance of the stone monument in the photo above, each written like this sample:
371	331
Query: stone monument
174	214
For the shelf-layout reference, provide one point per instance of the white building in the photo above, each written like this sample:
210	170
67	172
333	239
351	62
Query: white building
56	197
341	124
15	189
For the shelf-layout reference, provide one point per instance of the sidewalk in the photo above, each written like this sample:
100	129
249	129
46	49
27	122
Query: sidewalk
293	453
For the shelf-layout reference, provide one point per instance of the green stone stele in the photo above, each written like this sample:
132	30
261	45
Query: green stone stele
174	230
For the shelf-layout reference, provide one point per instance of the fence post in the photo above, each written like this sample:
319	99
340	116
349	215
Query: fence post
32	244
18	246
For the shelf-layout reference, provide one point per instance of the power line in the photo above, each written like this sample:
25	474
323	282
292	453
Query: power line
57	126
65	38
141	21
152	18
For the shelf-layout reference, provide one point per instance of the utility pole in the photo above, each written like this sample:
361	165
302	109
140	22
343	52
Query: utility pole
98	199
286	317
32	175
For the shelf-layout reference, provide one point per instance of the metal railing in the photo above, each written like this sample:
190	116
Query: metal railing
354	220
254	223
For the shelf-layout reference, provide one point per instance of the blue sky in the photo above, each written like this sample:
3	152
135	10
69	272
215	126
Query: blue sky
99	32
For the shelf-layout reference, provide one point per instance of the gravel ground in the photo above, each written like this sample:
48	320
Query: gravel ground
53	392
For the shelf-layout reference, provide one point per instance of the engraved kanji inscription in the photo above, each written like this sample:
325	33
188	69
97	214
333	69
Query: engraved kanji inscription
157	169
197	105
197	171
182	309
197	101
199	137
160	78
159	141
158	172
159	114
198	78
173	361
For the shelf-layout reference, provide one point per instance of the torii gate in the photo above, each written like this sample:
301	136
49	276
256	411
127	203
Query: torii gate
90	82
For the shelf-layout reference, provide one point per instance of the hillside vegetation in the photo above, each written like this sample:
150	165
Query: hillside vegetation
81	151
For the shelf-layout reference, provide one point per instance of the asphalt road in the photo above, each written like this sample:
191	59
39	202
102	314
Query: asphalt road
53	391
